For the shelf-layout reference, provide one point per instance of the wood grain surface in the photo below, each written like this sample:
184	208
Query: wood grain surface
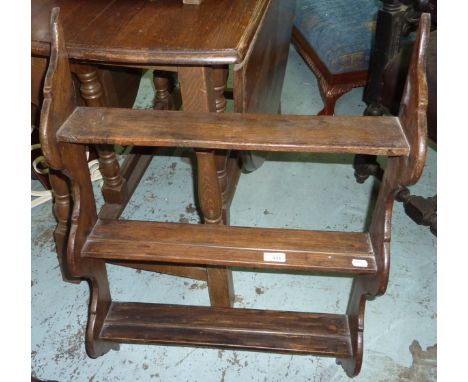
324	334
267	132
144	31
321	251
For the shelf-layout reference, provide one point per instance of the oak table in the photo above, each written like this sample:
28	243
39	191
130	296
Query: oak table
198	42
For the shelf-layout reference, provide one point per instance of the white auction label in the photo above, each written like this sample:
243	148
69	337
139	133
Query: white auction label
359	263
277	257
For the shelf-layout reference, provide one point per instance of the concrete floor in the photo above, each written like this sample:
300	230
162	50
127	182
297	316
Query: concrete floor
297	191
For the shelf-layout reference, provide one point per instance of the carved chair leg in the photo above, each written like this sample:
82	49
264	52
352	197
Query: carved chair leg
114	189
330	95
329	105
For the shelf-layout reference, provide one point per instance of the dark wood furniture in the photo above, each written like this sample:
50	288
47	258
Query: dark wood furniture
95	240
388	72
334	39
195	42
119	87
396	19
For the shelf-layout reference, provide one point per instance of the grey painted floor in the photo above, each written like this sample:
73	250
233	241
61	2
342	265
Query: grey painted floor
296	191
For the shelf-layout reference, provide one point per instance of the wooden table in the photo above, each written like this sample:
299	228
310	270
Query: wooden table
196	41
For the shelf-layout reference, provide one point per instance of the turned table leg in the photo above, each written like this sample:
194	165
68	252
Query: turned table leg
198	94
162	83
220	74
221	161
211	204
114	189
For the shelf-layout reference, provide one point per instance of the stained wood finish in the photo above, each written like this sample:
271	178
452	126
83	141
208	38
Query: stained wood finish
332	86
221	160
114	188
109	86
144	32
259	78
38	72
162	83
227	172
133	170
59	99
113	32
390	23
62	212
219	278
319	251
265	132
193	2
220	74
209	190
421	210
59	96
321	334
198	94
119	85
197	273
400	172
62	207
127	322
233	172
113	81
74	158
94	271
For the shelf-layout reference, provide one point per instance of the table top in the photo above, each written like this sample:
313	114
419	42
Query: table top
146	32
